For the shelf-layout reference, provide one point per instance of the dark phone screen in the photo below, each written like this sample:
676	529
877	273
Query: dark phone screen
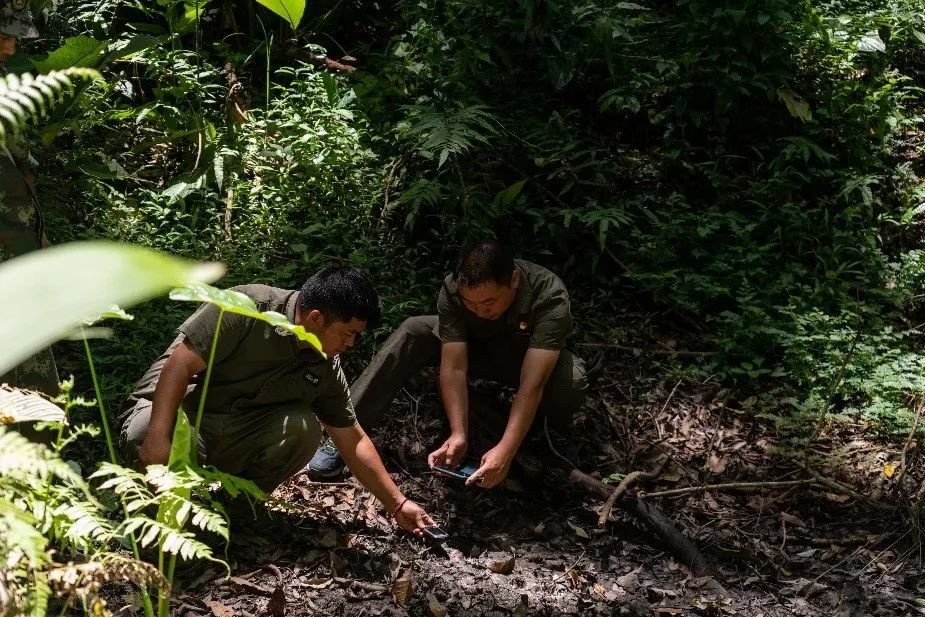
462	473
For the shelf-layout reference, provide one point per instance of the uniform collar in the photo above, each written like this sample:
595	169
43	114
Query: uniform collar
292	308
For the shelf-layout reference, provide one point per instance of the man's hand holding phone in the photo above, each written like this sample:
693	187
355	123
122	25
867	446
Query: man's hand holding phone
494	467
451	453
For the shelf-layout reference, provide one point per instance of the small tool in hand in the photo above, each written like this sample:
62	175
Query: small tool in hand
435	534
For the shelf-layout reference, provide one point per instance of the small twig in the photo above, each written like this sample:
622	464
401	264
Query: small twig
463	190
362	585
726	486
627	482
912	433
275	570
229	204
572	567
668	400
662	352
388	187
834	389
313	483
570	464
835	486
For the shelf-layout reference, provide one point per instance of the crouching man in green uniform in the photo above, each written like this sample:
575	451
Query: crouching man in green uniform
499	319
21	221
268	390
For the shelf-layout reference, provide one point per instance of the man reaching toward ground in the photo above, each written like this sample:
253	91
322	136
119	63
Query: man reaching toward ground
268	390
499	319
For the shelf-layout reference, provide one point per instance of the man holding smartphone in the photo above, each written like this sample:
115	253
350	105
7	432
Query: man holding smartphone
499	319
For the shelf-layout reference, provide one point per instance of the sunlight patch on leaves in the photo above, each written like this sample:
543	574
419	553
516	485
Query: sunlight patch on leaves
290	10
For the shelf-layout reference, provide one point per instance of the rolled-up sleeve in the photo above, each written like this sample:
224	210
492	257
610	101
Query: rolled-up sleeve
553	323
452	327
334	407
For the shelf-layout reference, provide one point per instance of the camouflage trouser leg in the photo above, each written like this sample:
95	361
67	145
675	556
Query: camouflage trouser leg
36	373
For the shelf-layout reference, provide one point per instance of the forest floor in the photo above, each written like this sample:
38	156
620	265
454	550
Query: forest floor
842	543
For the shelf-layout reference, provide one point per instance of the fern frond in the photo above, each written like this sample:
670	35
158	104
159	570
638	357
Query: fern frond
86	579
422	193
81	522
232	484
22	459
170	540
24	557
123	481
77	432
26	96
456	132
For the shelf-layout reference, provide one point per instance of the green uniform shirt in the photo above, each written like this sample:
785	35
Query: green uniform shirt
540	312
257	365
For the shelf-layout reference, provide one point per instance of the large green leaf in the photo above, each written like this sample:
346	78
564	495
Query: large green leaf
290	10
48	293
236	302
182	452
77	51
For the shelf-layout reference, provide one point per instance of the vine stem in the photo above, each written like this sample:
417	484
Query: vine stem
205	383
145	597
99	398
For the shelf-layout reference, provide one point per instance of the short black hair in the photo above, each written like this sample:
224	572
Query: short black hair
484	261
341	293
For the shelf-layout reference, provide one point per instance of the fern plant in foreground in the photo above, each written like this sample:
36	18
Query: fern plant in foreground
43	503
26	96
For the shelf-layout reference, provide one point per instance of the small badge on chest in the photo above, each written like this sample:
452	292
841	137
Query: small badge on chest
312	378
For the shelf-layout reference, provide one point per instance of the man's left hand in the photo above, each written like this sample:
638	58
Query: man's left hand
412	517
495	465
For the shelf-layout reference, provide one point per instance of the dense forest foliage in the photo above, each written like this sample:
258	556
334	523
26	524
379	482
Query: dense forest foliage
744	175
742	178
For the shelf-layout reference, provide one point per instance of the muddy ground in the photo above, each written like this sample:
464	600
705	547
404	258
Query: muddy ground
842	543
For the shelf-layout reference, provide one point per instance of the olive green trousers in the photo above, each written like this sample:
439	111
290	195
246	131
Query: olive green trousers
263	445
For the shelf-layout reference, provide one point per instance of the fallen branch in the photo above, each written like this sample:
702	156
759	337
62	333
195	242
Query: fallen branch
726	486
628	481
648	515
654	521
841	488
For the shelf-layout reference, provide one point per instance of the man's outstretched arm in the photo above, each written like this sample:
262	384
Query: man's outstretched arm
363	460
534	373
454	364
179	369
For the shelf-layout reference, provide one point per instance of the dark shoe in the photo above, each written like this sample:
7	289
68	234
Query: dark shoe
327	463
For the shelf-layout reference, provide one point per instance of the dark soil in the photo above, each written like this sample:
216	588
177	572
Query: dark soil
533	547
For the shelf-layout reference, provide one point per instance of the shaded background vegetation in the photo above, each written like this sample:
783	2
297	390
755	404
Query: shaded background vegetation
740	176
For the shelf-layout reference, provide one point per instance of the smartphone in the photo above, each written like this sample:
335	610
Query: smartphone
461	473
435	534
